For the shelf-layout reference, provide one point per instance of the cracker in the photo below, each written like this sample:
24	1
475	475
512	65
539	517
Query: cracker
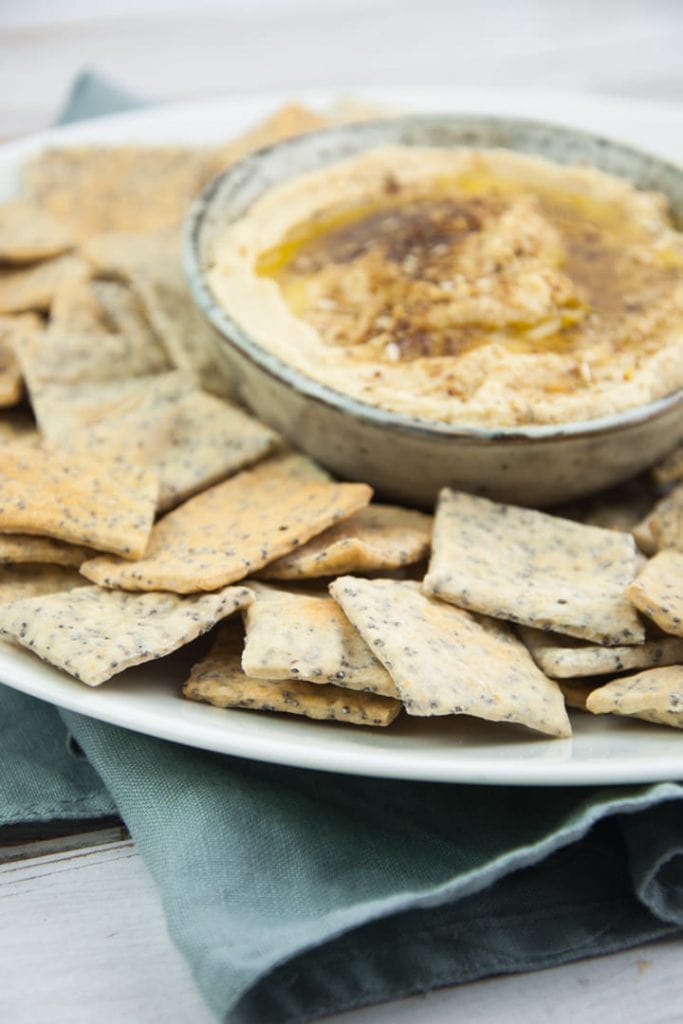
190	439
66	497
34	287
663	526
533	568
233	529
94	634
125	254
564	657
123	310
21	581
294	635
219	680
377	537
11	384
290	120
28	233
64	410
76	308
68	357
22	548
152	266
655	696
658	591
76	378
117	188
446	661
192	343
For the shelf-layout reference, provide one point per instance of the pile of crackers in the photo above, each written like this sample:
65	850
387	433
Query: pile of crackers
141	506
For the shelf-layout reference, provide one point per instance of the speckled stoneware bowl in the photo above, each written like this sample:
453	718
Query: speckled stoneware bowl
406	459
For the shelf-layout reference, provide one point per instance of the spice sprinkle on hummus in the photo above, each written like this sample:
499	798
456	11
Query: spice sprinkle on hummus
473	287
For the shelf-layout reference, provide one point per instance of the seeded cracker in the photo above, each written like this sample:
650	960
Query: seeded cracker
22	549
76	378
94	634
219	680
67	497
11	327
122	188
27	233
446	661
655	696
564	657
21	581
190	439
533	568
663	526
658	591
234	528
295	635
34	287
377	537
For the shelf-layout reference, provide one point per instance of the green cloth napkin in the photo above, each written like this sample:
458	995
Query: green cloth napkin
295	894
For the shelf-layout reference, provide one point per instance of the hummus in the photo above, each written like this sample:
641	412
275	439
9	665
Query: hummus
472	287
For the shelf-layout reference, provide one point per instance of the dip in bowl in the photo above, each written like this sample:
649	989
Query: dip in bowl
490	304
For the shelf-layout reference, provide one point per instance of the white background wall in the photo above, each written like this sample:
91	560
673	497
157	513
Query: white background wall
165	49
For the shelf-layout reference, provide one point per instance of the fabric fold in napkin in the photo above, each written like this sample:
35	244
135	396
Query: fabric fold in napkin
295	894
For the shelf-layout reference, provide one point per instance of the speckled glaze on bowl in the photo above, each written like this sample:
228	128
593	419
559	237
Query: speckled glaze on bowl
407	459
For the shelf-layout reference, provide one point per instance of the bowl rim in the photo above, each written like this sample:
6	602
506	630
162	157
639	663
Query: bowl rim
234	335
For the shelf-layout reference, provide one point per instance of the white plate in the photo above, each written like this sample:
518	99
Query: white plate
147	699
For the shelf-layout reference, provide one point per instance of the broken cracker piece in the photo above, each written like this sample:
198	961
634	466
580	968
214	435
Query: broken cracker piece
94	634
64	496
655	695
218	679
447	661
658	591
295	635
233	529
379	537
533	568
565	657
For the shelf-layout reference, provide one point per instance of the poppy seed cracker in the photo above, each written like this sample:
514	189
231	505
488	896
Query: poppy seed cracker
64	496
655	695
658	591
219	680
533	568
294	635
447	661
94	634
234	528
378	537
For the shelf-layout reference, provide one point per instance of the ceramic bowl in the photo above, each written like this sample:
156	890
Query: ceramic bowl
407	459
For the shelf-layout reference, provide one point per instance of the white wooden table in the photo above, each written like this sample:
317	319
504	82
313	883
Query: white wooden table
82	935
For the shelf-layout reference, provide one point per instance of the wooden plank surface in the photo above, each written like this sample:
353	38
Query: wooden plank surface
83	939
